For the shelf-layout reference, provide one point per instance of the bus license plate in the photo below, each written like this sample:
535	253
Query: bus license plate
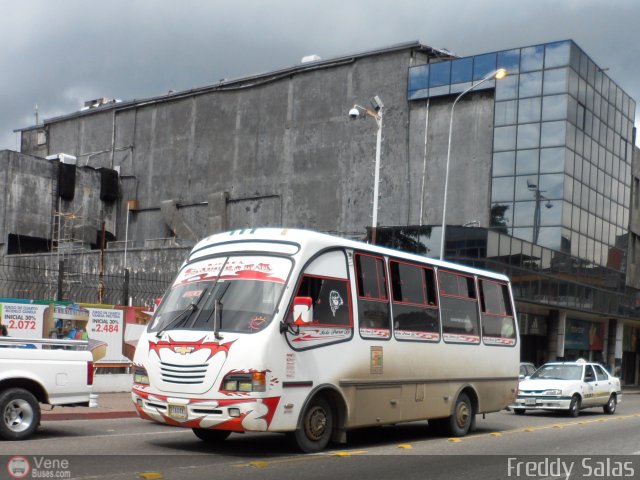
529	401
178	412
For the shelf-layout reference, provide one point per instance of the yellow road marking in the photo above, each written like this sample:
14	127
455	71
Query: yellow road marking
348	453
151	475
406	446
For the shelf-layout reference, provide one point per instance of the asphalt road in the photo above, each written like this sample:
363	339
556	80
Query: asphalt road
591	445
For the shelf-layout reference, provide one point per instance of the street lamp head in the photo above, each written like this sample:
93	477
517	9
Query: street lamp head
354	113
500	74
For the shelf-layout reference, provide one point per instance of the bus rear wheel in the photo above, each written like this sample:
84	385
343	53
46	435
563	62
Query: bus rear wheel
316	427
211	436
460	422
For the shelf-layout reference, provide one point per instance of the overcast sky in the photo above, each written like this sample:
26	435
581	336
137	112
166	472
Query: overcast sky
57	54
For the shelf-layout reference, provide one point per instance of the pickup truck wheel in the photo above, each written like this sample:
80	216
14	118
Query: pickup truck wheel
211	436
519	411
574	406
20	414
610	407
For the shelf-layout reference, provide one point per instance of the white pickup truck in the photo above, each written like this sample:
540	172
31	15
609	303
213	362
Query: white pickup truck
34	371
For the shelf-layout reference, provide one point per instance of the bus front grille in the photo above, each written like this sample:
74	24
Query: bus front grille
183	374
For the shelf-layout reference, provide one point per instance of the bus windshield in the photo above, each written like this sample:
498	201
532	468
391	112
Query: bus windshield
248	289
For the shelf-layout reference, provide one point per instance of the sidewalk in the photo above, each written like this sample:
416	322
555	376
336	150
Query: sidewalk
110	405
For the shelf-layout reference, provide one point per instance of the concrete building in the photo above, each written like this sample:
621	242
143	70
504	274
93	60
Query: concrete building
542	183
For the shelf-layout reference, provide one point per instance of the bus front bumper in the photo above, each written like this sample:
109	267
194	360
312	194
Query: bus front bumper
244	414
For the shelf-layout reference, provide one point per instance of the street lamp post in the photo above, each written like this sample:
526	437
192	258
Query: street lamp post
497	74
377	116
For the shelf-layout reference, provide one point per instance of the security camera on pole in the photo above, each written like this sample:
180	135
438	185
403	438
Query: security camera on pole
377	116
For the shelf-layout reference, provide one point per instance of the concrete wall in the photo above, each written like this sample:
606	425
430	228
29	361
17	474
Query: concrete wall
469	190
29	200
26	193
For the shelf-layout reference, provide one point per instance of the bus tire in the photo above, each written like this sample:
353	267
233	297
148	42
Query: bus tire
211	436
19	414
459	423
316	427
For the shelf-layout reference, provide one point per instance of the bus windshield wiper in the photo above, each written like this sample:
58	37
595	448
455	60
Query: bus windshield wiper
181	317
216	295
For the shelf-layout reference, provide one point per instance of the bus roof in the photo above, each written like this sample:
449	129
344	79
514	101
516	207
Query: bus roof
320	241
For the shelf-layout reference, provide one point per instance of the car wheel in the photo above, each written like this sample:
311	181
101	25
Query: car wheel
519	411
574	406
211	436
20	414
610	407
316	427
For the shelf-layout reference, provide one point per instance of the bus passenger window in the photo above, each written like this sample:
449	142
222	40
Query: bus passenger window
498	323
373	302
331	300
459	308
415	312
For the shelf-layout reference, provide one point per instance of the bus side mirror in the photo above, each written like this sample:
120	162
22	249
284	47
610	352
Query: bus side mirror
302	310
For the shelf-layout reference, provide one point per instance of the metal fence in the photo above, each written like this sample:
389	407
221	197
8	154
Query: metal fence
42	282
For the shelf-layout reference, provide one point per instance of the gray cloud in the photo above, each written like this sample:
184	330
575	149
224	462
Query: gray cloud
59	54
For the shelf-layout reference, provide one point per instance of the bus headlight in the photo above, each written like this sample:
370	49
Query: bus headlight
245	382
140	376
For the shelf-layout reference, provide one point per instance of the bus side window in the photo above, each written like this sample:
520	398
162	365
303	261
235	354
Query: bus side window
414	302
373	301
331	300
459	308
498	323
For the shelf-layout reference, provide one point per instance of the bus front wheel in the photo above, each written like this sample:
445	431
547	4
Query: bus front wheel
315	428
460	422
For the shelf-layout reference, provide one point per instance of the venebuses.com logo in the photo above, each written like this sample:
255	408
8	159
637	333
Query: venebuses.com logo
38	467
18	467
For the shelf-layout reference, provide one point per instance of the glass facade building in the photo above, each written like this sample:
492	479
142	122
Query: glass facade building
562	145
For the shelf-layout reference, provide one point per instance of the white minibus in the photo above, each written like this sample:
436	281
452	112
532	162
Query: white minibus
293	331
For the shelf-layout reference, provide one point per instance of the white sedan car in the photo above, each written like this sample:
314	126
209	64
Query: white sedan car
569	386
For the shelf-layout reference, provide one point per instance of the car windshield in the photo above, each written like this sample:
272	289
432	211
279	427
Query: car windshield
248	289
558	372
